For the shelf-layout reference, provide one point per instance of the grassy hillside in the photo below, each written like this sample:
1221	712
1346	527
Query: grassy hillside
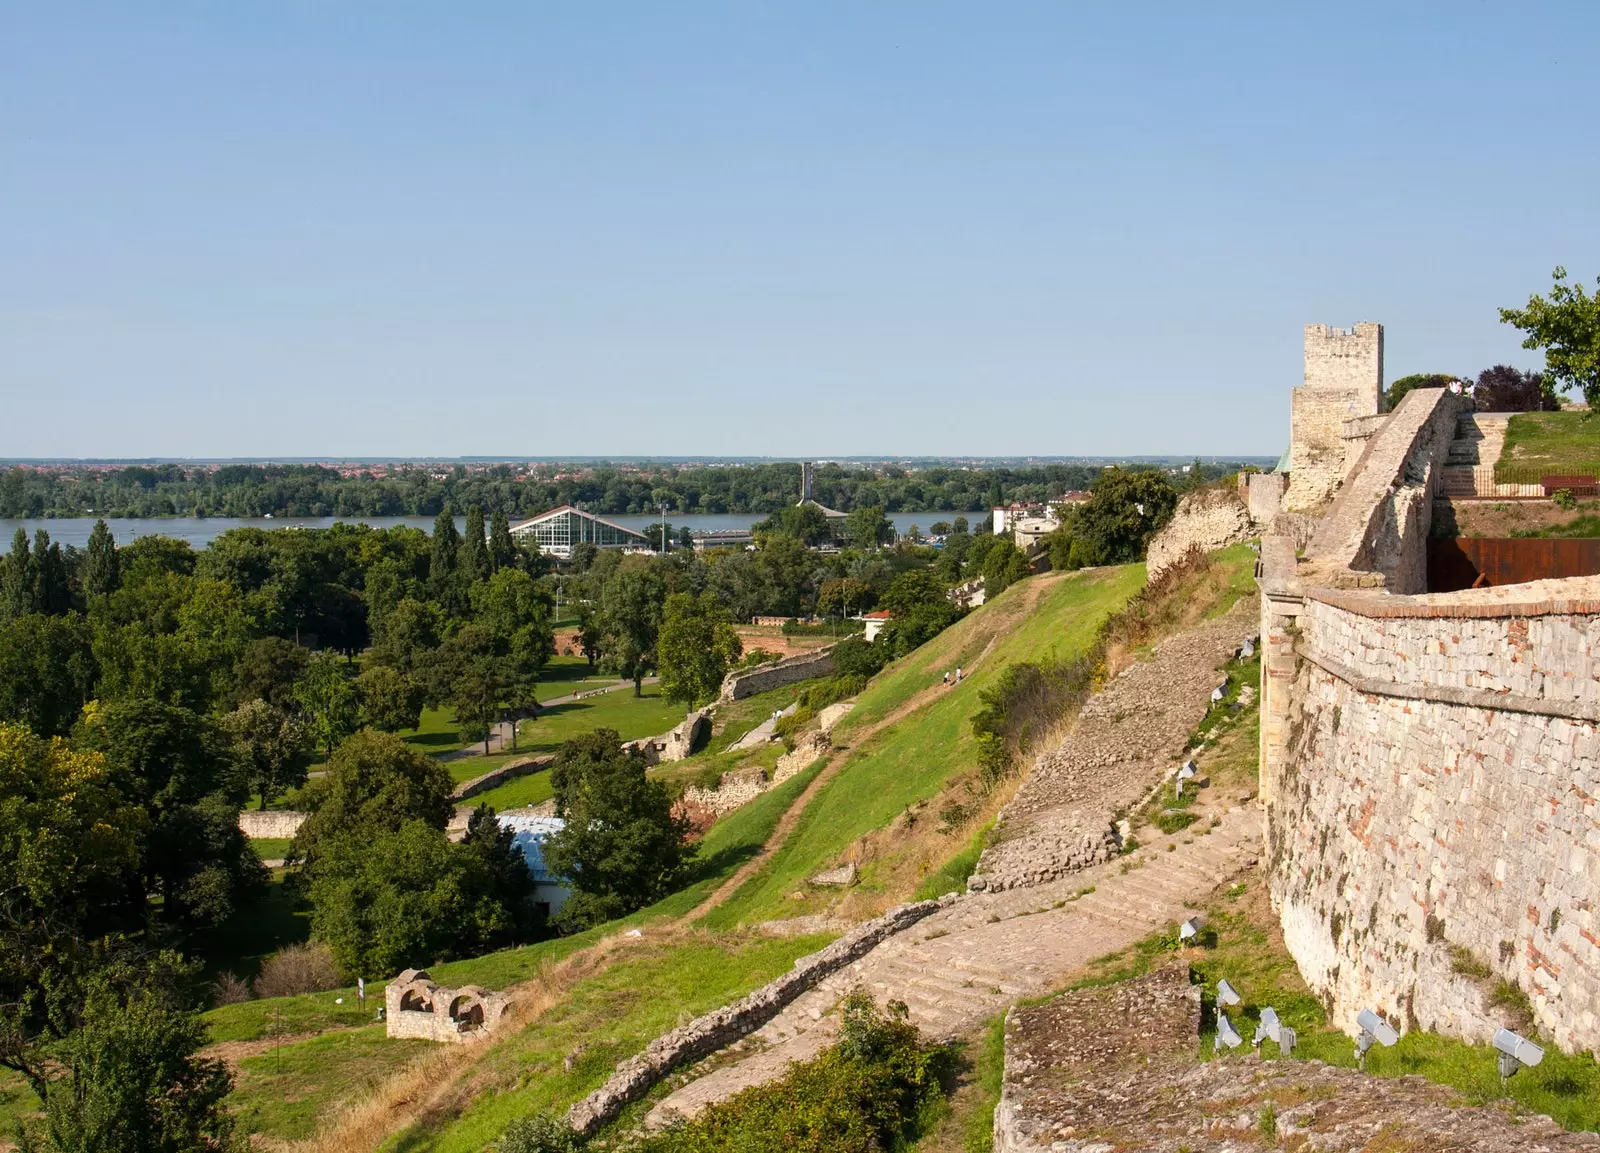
912	759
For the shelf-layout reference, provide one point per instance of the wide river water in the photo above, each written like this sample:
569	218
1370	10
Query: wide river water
200	531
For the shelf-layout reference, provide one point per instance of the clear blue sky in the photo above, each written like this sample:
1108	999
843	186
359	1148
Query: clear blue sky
755	228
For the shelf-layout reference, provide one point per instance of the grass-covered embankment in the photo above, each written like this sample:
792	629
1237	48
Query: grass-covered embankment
911	759
1540	444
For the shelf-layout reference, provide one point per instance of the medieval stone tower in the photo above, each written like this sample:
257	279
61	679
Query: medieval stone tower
1344	380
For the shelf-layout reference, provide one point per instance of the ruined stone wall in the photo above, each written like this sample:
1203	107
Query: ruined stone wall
1209	519
1343	381
748	682
1262	493
270	824
1437	786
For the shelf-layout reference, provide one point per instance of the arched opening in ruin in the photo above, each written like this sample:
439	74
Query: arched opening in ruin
416	1000
467	1012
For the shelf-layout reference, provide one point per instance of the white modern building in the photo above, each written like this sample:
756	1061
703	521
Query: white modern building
560	529
549	892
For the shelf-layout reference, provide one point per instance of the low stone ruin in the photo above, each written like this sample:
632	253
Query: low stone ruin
415	1006
677	745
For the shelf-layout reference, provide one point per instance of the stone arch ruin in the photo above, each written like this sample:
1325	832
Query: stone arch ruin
417	1006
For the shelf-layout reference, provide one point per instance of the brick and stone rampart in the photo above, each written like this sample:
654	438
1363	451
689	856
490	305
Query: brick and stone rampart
748	682
1343	382
720	1028
1379	523
270	824
1436	788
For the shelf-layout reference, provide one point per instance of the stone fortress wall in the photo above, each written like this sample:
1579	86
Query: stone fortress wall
1430	764
743	683
1343	381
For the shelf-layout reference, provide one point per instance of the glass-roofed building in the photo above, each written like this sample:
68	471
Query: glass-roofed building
558	530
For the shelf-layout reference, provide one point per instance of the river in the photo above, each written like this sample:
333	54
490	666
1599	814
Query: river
200	531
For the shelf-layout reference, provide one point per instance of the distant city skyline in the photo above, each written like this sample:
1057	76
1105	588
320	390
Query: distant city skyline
818	231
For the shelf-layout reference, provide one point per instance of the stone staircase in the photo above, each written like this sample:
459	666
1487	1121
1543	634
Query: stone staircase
970	961
1480	436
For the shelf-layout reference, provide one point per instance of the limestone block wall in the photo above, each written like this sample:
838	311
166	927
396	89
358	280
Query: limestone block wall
1438	787
270	824
748	682
1262	493
1343	381
1209	519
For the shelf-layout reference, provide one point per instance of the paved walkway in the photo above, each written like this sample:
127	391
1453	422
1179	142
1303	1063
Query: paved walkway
761	734
967	963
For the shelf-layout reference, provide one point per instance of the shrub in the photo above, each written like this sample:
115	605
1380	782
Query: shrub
1564	500
755	657
230	989
868	1092
542	1133
303	968
788	728
826	692
854	656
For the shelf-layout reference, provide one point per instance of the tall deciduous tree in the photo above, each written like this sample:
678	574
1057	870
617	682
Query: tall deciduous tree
101	571
47	671
375	782
474	560
502	549
329	700
867	527
697	646
629	620
1567	327
444	562
270	746
390	699
51	593
621	847
17	587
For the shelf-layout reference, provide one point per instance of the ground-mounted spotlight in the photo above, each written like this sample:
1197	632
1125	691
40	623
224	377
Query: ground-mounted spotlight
1227	1036
1219	692
1267	1030
1187	772
1190	929
1515	1052
1226	993
1374	1030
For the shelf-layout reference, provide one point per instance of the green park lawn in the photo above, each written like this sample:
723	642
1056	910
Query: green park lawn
632	717
564	675
1549	444
912	760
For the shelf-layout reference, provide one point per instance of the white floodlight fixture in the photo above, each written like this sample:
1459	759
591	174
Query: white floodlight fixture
1515	1052
1227	1036
1374	1030
1188	772
1287	1040
1216	693
1190	929
1268	1029
1226	993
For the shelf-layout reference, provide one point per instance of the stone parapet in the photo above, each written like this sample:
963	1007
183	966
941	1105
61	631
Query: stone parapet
716	1030
270	824
743	683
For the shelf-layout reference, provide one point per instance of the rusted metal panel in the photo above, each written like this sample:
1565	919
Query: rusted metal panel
1462	562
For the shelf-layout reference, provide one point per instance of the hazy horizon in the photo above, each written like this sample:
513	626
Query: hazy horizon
808	231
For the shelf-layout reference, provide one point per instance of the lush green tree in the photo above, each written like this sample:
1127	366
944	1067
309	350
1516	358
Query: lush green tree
686	537
329	700
502	548
474	563
912	588
845	595
482	687
1397	390
131	1078
214	623
1125	509
17	581
697	647
867	528
271	747
622	847
156	555
375	782
178	766
390	699
268	669
510	881
51	592
406	638
805	522
444	563
101	570
1567	327
1004	564
389	899
47	671
629	619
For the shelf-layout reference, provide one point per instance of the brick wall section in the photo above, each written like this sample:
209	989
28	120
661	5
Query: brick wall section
748	682
1343	381
1435	790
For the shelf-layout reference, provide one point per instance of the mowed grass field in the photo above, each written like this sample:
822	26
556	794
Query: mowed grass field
1051	615
1549	444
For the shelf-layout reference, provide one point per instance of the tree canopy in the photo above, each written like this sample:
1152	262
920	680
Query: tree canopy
1566	326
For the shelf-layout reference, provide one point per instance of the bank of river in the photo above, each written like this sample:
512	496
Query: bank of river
200	531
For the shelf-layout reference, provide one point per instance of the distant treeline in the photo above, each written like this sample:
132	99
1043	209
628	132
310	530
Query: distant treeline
247	490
